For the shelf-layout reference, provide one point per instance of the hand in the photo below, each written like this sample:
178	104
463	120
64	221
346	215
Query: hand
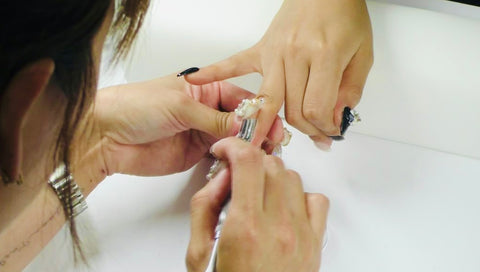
272	225
315	56
165	125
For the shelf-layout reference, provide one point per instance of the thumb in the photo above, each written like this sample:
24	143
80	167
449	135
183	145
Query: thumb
211	121
205	207
242	63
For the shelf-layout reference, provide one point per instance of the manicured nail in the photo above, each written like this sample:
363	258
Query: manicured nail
277	151
347	120
323	146
19	181
287	136
349	116
188	71
216	167
212	152
337	138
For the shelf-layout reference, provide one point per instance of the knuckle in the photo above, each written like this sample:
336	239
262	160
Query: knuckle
295	44
248	154
242	228
195	257
273	162
319	45
319	200
321	119
312	113
294	176
295	179
233	144
251	236
293	116
286	239
356	92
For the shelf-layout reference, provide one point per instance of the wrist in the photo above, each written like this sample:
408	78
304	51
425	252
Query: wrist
87	162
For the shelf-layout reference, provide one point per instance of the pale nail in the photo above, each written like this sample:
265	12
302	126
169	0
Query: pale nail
287	136
323	146
277	151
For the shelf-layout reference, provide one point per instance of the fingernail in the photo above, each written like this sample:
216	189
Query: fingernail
287	136
188	71
277	151
212	152
338	138
348	117
216	167
323	146
19	181
347	120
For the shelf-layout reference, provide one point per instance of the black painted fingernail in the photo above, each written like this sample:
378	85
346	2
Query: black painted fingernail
188	71
347	119
337	138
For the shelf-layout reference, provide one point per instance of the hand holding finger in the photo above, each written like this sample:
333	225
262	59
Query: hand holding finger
247	171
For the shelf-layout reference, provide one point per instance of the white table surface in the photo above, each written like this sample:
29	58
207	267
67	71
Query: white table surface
402	199
394	207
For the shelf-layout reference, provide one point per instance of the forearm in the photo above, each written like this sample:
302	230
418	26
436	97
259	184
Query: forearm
32	228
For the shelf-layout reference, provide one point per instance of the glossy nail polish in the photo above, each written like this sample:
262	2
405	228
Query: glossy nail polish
188	71
347	119
287	136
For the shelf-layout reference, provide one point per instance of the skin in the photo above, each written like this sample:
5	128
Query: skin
139	123
319	48
32	110
272	225
314	57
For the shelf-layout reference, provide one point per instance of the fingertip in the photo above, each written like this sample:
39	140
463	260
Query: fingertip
221	148
188	71
322	142
199	77
276	133
268	122
319	200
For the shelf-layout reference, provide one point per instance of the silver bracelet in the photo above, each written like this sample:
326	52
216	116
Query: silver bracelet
60	184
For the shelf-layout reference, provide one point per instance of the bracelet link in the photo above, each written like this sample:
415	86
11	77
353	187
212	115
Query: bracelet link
60	184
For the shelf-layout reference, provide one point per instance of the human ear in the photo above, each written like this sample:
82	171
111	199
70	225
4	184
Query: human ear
18	97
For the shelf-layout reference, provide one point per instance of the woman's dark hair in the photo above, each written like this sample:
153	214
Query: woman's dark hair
63	30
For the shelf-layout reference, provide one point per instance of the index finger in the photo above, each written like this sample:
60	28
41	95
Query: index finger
273	93
247	172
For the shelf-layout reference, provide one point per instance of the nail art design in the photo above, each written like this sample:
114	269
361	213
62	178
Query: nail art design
246	109
277	151
188	71
349	116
